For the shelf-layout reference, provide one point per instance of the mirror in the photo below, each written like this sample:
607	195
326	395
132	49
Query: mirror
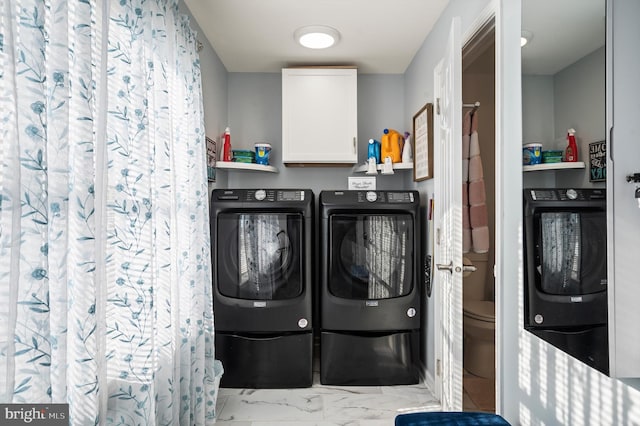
563	87
563	82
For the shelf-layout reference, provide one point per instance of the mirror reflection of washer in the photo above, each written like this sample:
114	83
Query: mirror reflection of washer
370	304
262	258
565	281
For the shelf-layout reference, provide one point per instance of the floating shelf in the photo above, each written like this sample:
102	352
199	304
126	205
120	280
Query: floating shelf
396	166
554	166
232	165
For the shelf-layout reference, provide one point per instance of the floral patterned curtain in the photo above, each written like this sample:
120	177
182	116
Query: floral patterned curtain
105	297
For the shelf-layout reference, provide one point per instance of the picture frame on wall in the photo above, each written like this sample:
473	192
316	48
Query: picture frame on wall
598	161
423	143
211	159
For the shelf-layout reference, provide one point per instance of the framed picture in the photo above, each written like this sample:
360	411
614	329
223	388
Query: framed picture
211	159
598	161
423	143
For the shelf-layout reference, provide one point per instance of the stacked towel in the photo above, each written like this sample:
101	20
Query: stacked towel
475	220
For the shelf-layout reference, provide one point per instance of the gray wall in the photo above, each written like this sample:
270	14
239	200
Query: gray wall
214	87
572	98
538	124
255	115
580	104
537	111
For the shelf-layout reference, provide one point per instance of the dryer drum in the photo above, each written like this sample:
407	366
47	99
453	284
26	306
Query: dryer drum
375	256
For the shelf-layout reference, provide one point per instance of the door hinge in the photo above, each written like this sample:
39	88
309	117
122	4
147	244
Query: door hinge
438	368
438	106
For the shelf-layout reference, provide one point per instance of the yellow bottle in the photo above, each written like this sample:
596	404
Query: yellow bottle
390	146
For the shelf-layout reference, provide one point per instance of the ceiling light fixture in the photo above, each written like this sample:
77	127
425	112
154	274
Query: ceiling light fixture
525	37
316	36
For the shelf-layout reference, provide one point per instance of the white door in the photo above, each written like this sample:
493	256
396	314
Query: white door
447	141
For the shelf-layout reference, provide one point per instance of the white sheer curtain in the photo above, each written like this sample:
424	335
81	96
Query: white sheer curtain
104	234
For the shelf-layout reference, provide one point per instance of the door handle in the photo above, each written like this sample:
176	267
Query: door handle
449	267
443	267
468	268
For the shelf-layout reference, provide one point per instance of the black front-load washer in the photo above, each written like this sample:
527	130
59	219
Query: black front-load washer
262	255
369	290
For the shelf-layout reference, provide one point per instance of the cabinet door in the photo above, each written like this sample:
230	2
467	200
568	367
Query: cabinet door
319	115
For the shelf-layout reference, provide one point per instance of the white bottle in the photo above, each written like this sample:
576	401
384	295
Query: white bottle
407	151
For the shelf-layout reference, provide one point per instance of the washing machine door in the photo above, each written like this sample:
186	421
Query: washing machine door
371	255
259	255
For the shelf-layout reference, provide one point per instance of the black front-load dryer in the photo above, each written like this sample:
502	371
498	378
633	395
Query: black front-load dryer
369	289
262	242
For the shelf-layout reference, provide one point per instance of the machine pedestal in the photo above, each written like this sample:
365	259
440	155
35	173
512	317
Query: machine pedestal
266	361
370	359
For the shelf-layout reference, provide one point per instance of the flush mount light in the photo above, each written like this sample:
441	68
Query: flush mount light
525	37
316	36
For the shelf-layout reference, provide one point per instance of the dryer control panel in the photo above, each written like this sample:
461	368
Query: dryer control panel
384	197
266	195
360	198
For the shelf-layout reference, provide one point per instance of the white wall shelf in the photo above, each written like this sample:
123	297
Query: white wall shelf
554	166
396	166
232	165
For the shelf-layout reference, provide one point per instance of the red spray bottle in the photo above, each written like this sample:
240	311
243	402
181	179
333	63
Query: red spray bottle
226	147
571	154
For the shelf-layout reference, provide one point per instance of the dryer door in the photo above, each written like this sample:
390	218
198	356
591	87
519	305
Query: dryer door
371	255
259	255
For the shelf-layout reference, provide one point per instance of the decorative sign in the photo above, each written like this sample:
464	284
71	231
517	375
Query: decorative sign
211	159
598	161
423	143
362	183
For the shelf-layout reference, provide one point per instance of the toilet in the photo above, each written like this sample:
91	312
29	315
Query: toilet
479	321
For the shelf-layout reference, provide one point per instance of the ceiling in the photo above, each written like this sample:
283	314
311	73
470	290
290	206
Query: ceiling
563	32
380	36
377	36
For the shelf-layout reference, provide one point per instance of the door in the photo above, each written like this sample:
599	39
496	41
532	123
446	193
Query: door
448	221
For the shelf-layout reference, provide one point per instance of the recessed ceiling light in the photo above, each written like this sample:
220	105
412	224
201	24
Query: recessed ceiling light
316	36
525	37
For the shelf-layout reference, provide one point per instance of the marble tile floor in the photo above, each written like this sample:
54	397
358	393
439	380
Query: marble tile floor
322	405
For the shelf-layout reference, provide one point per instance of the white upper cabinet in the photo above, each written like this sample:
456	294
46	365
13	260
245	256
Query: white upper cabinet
319	116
